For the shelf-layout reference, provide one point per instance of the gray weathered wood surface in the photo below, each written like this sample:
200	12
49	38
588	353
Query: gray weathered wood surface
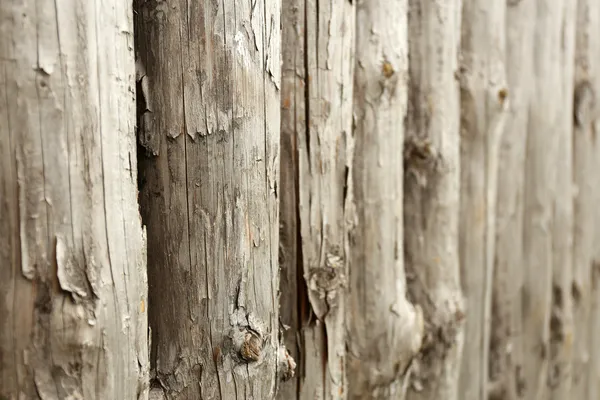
316	134
431	195
484	101
586	251
380	317
73	288
209	130
324	156
506	350
561	320
540	189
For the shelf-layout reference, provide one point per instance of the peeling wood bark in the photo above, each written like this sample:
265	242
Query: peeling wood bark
317	101
73	286
540	190
380	318
209	194
484	102
586	372
431	195
561	319
506	341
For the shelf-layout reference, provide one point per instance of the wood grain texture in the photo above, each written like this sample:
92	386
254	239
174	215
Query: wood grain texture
431	195
209	187
73	283
380	317
484	104
324	156
586	152
506	341
540	190
561	320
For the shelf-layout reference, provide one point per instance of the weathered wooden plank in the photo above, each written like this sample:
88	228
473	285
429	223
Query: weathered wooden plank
506	349
72	259
317	118
431	195
380	318
586	372
483	111
561	320
209	194
540	190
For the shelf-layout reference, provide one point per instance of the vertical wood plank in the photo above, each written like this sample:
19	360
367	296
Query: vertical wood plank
210	132
431	195
73	288
380	316
484	104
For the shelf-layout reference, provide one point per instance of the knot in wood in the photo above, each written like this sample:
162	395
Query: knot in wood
421	159
324	280
328	278
387	69
251	347
583	103
502	95
416	149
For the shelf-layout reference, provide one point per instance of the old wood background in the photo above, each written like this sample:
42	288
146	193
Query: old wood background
301	199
